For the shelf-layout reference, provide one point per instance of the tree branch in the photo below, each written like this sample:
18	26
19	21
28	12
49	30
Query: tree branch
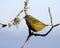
50	16
2	25
30	34
26	7
17	15
26	41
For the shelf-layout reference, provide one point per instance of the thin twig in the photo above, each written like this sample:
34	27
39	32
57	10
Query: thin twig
50	16
2	25
17	15
57	25
26	7
43	34
26	41
30	34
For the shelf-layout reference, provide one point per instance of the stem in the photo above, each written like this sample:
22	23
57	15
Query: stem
2	25
30	34
23	46
26	7
17	15
50	16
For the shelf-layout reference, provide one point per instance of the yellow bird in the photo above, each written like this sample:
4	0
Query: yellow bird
34	24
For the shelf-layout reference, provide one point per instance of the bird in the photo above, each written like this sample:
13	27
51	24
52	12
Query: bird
34	24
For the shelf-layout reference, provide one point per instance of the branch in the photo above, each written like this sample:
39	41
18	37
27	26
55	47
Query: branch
2	25
30	34
26	41
26	7
43	34
50	16
16	20
17	15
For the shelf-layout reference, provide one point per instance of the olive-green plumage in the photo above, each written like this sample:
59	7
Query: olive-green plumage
34	24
